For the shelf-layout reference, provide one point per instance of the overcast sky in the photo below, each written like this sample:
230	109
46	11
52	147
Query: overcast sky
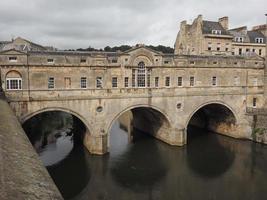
98	23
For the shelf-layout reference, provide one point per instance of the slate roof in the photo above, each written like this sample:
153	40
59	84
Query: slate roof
208	26
255	34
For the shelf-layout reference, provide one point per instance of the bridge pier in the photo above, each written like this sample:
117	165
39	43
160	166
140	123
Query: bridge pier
96	144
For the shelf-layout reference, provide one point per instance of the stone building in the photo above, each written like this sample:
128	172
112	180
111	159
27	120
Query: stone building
215	38
165	92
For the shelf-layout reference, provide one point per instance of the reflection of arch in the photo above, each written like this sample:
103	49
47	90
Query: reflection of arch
30	115
209	103
116	117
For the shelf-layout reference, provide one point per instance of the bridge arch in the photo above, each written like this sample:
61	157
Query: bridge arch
48	109
216	116
152	114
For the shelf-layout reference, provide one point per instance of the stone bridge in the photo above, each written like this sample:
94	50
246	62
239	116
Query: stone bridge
164	93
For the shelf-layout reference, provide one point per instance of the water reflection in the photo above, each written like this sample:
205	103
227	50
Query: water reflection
210	167
208	156
140	166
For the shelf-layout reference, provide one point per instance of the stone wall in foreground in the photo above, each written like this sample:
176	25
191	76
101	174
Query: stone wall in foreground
22	174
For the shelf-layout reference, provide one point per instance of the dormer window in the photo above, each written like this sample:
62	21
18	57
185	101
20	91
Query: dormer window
12	59
50	60
239	39
259	40
216	32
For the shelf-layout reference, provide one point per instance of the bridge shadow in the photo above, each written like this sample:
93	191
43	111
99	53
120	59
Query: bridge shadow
208	155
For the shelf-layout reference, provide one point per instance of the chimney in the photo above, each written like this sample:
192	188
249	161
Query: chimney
224	22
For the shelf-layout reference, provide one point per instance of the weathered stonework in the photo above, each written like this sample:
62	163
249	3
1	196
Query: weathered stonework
238	82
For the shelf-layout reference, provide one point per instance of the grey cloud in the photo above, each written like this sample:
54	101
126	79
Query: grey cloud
80	23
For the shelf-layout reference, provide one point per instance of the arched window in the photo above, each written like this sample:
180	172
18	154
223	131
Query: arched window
13	81
141	75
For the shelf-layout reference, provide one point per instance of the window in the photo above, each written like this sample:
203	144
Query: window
260	52
67	82
239	39
236	80
126	59
209	46
50	60
148	75
247	50
180	81
214	81
141	75
114	82
114	60
156	81
166	62
240	51
83	82
218	48
83	60
167	81
51	83
98	82
254	102
192	62
179	106
226	49
13	84
12	59
192	81
259	40
253	50
217	32
126	82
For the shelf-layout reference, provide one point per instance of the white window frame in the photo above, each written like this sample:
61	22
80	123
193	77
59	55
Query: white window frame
12	59
156	82
180	81
167	81
99	82
83	82
192	81
126	82
259	40
8	83
217	32
214	81
50	60
50	83
114	82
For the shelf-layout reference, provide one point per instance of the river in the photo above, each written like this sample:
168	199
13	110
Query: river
210	166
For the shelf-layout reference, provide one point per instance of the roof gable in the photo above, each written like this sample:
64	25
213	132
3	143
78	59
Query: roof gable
12	52
142	48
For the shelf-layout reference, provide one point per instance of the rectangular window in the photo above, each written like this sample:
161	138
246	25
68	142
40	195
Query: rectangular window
254	103
214	81
180	81
83	82
148	75
226	49
247	50
12	59
83	60
167	81
240	51
114	82
156	81
98	82
50	60
51	83
218	48
126	82
260	52
13	83
67	82
259	40
209	46
192	80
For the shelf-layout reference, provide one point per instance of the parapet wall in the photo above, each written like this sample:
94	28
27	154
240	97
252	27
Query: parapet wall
22	175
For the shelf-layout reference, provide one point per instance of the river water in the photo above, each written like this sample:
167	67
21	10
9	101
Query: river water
211	166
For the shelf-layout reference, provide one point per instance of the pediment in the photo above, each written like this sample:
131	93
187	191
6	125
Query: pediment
12	52
142	49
